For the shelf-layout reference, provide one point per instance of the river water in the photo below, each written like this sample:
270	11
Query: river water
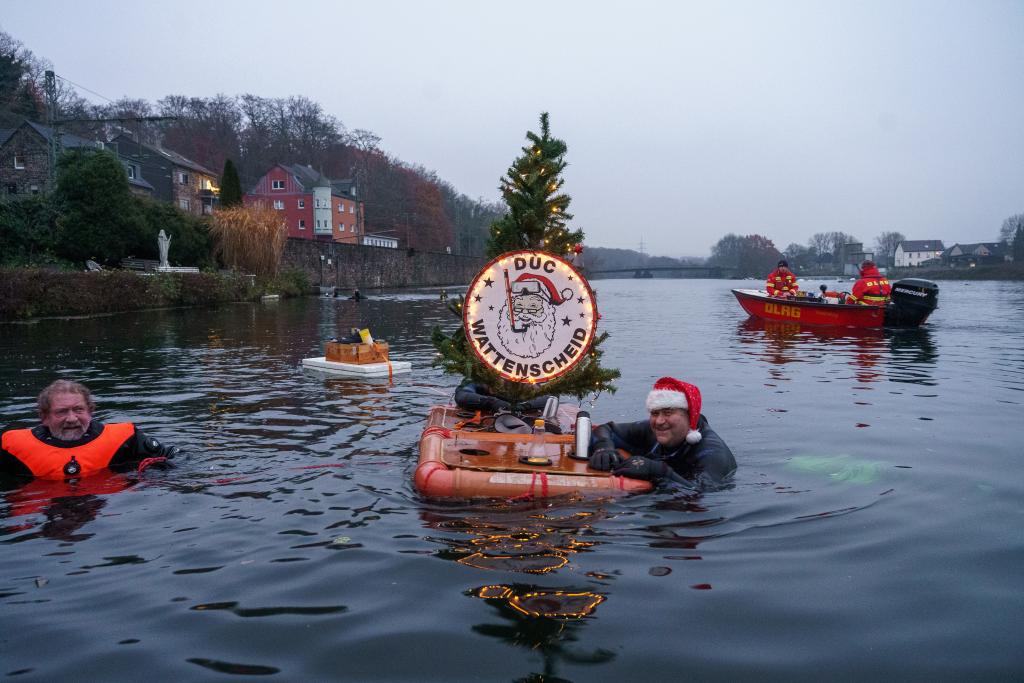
874	529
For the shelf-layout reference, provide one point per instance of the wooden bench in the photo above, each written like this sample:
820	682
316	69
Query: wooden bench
139	264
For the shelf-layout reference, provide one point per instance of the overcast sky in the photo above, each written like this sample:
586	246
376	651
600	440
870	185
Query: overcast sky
684	120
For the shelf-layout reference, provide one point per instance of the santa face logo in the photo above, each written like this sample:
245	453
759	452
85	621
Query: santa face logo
530	316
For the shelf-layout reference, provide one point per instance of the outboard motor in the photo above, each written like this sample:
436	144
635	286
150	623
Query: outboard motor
911	302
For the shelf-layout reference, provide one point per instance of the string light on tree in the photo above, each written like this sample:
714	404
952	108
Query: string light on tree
537	220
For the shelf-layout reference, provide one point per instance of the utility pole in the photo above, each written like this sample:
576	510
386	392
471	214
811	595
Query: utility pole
54	122
50	90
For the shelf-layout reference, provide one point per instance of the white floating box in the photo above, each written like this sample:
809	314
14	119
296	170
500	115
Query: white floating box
356	369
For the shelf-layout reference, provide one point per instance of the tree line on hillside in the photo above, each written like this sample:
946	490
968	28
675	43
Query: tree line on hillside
756	255
402	200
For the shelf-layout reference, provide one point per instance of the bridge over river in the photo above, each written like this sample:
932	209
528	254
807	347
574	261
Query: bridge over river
717	272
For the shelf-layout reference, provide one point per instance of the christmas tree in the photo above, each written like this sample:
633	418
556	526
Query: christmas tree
537	215
537	219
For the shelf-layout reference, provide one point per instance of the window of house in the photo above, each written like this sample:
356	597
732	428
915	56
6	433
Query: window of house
341	207
351	208
183	178
185	204
276	184
302	203
317	222
131	172
341	227
12	188
19	161
302	224
34	189
278	204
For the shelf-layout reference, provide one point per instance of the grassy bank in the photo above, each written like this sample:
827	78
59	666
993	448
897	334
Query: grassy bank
30	293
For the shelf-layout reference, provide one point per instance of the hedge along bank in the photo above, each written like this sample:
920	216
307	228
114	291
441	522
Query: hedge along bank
29	293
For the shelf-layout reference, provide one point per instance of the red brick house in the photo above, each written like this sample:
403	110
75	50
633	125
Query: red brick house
314	206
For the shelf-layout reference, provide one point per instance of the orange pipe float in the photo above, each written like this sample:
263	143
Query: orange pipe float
459	463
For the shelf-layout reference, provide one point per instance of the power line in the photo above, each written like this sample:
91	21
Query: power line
86	89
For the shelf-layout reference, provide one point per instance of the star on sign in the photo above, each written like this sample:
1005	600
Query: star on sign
565	321
477	298
490	308
488	282
579	301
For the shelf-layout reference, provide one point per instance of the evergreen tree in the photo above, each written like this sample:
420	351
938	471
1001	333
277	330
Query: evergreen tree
230	186
537	215
1018	245
99	217
536	219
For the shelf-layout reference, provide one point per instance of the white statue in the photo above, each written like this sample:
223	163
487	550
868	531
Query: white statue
164	243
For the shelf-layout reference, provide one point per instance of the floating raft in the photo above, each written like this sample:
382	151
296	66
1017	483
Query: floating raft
321	364
462	460
357	360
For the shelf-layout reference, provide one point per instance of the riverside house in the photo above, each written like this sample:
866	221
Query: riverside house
25	160
313	206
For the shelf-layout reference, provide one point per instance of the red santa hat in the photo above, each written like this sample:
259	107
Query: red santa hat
669	392
531	283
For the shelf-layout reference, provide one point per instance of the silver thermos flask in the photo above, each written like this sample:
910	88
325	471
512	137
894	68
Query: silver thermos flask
550	409
582	435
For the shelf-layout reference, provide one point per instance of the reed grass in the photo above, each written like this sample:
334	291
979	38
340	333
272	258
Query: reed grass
249	238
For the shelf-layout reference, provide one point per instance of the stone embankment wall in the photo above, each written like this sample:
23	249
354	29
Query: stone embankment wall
353	265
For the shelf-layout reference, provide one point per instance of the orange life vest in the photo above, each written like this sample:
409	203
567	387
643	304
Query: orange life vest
48	462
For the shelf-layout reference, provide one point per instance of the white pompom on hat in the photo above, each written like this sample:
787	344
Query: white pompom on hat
669	392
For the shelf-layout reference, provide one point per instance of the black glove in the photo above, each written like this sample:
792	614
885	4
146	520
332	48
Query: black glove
155	449
493	405
604	459
639	467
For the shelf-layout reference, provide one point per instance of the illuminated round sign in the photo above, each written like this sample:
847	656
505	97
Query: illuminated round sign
530	316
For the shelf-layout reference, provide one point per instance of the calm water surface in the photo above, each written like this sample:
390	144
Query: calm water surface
875	528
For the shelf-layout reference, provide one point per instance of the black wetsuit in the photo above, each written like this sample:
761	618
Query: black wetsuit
706	463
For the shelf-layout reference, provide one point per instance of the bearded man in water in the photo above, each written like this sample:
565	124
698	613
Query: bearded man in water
69	443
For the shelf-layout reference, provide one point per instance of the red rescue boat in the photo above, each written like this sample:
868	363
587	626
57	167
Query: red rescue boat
912	302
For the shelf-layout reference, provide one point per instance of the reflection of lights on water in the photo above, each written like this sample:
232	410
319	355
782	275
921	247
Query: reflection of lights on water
529	564
550	604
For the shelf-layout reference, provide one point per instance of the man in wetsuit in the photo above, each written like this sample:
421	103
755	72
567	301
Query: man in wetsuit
69	443
872	289
674	444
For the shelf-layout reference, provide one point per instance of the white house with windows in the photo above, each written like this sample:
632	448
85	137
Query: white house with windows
911	253
379	241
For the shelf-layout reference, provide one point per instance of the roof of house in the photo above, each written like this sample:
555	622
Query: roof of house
66	139
173	157
5	133
921	245
141	182
994	248
309	178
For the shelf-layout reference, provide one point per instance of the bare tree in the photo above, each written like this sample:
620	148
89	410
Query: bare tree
1009	228
885	246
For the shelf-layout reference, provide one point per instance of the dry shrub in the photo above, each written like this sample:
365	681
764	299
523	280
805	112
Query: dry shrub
249	238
